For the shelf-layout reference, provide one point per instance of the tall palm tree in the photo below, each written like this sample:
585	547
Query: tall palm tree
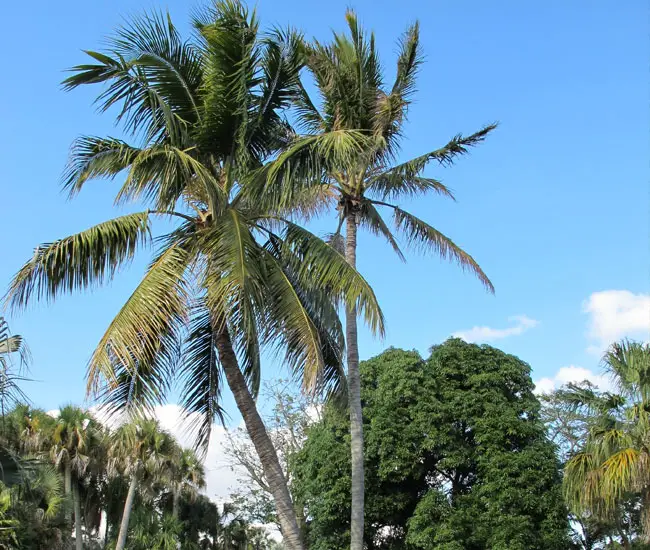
232	276
141	451
187	475
353	96
73	440
614	464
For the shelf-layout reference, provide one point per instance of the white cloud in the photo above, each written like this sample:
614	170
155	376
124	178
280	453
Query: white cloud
615	314
572	374
522	323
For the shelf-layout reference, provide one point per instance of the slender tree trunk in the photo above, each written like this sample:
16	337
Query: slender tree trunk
354	398
175	499
67	488
261	441
128	504
79	541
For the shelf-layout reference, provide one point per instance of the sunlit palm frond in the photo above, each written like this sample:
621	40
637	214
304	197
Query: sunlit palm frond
148	323
321	263
79	261
629	364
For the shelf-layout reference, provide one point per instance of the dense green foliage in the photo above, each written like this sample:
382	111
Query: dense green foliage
456	456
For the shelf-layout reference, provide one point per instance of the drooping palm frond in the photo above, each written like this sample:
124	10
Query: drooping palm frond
200	375
147	327
420	234
80	261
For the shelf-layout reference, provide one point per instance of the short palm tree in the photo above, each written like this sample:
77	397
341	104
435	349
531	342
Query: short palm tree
187	476
72	444
615	462
141	451
353	96
234	275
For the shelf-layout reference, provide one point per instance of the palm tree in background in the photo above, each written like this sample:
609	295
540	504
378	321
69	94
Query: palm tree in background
10	377
141	451
73	440
363	186
233	276
614	464
187	476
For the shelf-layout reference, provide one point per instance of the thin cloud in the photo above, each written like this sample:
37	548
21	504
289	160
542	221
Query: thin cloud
522	323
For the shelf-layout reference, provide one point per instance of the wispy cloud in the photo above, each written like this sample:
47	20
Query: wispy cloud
615	314
520	324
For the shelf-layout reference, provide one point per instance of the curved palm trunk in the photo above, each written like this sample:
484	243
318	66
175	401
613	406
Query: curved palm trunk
128	505
261	441
354	398
79	542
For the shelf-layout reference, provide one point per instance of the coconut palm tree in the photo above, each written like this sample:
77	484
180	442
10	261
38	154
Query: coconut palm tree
142	452
72	443
187	475
232	276
364	185
614	464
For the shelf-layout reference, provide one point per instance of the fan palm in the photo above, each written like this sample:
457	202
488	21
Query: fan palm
73	440
232	276
352	96
141	451
615	462
187	476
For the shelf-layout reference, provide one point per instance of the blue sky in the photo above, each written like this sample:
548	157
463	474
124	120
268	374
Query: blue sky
554	205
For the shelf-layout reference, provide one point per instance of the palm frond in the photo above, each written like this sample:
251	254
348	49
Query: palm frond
200	376
151	74
371	219
147	328
421	235
96	157
322	265
79	261
459	145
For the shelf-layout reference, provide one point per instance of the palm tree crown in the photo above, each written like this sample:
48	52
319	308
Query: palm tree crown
614	464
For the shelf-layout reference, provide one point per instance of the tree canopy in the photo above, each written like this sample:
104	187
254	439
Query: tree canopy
456	454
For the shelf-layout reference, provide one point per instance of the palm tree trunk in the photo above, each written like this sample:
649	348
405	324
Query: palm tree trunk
79	542
354	398
261	441
175	500
128	504
67	488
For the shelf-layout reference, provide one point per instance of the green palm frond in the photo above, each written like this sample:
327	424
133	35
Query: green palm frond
620	475
151	73
459	145
371	219
148	324
96	157
79	261
321	263
420	234
200	376
405	181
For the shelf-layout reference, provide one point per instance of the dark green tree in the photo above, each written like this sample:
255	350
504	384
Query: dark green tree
456	457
